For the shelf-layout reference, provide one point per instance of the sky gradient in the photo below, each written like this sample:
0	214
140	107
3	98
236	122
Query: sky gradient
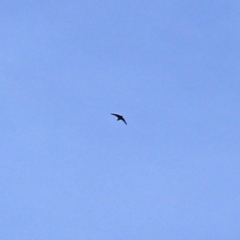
69	170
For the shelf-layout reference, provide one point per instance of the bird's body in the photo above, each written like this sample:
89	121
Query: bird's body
119	117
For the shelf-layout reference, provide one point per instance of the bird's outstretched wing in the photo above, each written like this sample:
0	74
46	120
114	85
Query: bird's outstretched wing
116	115
124	120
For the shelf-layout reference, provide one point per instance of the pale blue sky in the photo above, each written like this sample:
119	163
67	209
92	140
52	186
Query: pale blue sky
69	170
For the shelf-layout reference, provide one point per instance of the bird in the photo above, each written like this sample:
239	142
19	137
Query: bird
119	117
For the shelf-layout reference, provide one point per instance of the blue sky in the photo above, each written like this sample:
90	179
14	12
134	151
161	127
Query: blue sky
69	170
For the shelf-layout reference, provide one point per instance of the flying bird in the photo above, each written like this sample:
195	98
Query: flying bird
119	117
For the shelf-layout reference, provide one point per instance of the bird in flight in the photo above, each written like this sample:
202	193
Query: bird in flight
119	117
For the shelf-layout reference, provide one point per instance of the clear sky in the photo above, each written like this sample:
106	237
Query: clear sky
69	170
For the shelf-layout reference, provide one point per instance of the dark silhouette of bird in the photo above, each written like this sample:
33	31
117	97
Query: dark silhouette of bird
119	117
